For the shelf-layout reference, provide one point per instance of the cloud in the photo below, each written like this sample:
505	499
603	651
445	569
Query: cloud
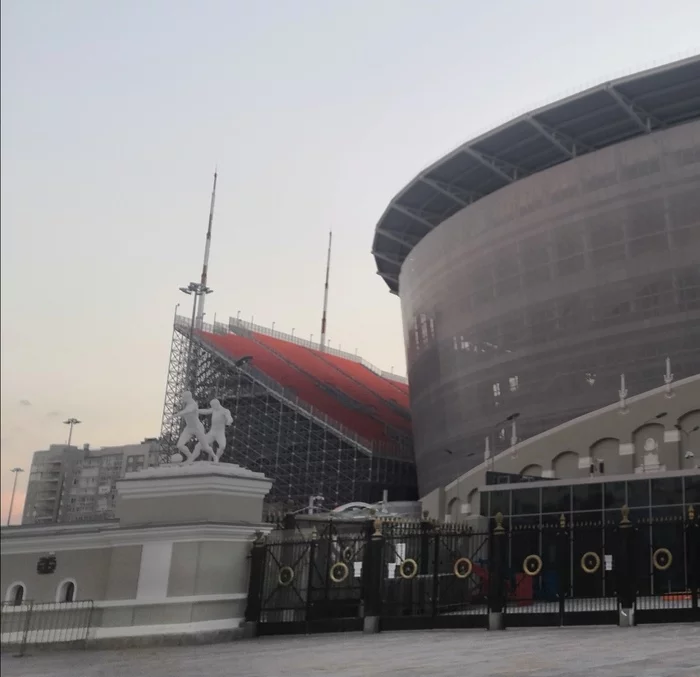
25	403
53	414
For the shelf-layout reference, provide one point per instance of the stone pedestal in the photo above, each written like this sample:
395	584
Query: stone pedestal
626	619
194	526
496	620
221	493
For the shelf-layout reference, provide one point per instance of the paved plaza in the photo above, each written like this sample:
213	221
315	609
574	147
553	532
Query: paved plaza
649	651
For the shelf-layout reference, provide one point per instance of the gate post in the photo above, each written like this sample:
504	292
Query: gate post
626	572
497	553
424	562
373	570
256	582
693	544
310	612
25	629
563	566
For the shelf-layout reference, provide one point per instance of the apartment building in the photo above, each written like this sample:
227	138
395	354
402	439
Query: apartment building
69	484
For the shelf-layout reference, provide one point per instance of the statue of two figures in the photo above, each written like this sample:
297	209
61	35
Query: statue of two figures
220	418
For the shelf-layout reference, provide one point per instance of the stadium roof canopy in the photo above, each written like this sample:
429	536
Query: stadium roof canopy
598	117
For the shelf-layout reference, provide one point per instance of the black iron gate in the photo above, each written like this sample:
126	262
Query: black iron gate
306	585
433	577
560	574
666	552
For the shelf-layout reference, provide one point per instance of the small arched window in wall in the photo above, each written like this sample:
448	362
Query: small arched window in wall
453	510
473	506
532	470
15	593
66	591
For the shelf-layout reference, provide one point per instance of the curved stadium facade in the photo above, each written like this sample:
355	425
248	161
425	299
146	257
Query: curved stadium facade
539	262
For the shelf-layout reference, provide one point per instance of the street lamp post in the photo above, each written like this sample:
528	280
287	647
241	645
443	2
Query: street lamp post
71	422
16	471
194	289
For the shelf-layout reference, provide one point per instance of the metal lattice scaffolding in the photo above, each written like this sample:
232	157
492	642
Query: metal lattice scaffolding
275	434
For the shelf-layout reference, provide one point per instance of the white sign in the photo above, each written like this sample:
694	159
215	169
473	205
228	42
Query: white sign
608	562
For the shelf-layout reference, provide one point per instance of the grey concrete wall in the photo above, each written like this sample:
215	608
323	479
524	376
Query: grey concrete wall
123	574
89	568
183	573
208	568
179	509
434	504
166	614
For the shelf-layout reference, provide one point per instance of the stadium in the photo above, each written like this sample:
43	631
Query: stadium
547	269
327	426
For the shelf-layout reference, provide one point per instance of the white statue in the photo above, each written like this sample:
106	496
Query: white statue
220	418
193	428
651	457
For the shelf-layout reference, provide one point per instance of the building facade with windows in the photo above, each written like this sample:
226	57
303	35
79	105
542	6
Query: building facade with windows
547	265
68	484
648	435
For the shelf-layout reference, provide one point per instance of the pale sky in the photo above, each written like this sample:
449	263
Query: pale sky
317	112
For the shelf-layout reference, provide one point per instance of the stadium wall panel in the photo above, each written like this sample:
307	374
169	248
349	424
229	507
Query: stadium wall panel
536	298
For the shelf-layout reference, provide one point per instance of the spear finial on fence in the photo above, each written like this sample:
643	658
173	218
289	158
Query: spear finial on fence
377	528
499	523
625	521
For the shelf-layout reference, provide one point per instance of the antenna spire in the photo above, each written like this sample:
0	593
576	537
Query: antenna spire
325	294
207	247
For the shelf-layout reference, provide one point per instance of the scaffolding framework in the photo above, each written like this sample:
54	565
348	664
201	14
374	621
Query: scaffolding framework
305	455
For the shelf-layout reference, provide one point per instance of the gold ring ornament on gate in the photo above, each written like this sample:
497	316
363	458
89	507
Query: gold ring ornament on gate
285	576
348	553
408	569
662	559
463	567
590	562
532	565
339	572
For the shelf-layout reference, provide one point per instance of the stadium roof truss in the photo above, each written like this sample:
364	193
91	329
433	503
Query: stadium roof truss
591	120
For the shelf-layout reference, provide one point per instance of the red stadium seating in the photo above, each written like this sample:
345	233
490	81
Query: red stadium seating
320	367
290	377
389	390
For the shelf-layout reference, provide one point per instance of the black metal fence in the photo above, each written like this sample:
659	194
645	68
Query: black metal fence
34	624
409	574
420	574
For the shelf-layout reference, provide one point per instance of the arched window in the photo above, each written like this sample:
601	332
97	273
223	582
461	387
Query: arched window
66	591
15	593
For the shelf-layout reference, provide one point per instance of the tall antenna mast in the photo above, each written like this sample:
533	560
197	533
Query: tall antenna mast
325	294
200	301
